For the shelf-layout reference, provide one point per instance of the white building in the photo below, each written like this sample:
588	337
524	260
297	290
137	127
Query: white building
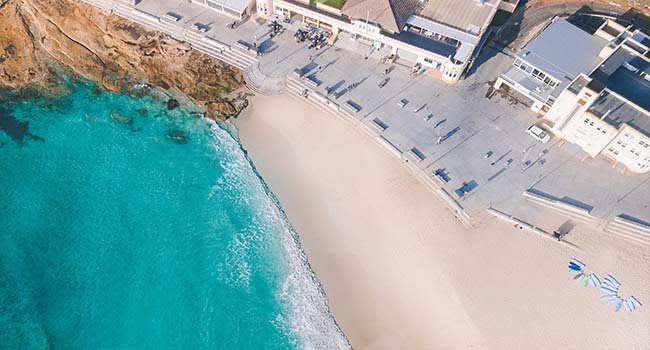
549	62
607	112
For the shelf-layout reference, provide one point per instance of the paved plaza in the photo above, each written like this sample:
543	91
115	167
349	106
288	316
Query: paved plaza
477	145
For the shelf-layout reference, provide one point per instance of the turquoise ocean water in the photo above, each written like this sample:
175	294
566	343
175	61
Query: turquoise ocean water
127	226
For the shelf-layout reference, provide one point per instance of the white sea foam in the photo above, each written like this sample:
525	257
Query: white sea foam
310	318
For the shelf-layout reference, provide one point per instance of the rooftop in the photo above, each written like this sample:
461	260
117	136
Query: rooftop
471	16
391	15
438	47
627	74
236	5
563	50
617	111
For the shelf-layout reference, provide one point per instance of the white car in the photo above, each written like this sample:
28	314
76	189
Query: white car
538	133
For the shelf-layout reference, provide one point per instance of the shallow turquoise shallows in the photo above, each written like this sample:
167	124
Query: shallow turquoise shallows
127	226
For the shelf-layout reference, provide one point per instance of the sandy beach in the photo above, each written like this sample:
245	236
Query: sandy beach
401	272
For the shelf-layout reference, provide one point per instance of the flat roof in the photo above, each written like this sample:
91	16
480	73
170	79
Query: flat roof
425	43
626	73
617	111
432	26
533	86
563	50
467	41
236	5
471	16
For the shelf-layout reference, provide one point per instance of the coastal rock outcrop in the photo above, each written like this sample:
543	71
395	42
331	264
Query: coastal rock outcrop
38	38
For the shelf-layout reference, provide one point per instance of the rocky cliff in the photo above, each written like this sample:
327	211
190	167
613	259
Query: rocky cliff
39	36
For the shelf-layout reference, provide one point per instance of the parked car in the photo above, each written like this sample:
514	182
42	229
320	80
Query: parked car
538	133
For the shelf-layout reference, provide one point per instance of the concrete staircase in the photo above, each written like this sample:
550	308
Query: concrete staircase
261	83
219	50
222	51
569	210
629	230
297	88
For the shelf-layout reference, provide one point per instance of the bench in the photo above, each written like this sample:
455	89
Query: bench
416	154
351	107
174	17
379	125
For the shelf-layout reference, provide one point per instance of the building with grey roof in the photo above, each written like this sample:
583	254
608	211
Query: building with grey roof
549	62
607	111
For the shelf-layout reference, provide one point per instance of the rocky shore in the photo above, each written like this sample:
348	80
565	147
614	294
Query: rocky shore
39	39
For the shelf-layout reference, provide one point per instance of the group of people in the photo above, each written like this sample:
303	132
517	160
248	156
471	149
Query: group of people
316	38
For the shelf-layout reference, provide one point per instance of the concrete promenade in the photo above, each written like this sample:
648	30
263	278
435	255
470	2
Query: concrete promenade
469	149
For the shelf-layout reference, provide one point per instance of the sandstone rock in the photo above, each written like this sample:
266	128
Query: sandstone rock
36	35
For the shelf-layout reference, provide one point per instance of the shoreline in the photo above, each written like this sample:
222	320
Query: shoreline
311	300
401	272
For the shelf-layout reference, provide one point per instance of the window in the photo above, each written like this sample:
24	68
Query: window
539	75
587	120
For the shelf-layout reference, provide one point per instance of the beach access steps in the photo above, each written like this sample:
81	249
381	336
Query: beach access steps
261	83
629	230
570	210
171	24
620	227
220	50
